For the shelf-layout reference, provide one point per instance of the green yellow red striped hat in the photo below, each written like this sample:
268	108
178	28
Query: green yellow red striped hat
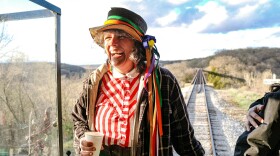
122	19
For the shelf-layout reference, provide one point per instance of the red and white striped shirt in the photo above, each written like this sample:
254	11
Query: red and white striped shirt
115	107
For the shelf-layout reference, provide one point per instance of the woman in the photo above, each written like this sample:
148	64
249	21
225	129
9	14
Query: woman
136	104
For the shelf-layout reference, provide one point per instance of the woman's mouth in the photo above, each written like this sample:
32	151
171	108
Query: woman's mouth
116	54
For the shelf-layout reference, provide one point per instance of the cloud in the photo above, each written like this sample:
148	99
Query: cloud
169	18
246	11
192	30
249	14
214	15
219	16
276	34
242	2
184	29
238	2
187	45
177	2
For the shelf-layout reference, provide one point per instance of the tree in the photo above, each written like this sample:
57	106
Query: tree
5	40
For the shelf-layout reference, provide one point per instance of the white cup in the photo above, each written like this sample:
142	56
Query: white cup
96	138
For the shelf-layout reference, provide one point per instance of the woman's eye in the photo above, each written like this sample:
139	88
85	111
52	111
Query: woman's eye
122	37
106	38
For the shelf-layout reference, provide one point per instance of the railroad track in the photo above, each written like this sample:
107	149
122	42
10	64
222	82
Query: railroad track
205	121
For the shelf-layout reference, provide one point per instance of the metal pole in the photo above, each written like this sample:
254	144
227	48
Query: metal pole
58	79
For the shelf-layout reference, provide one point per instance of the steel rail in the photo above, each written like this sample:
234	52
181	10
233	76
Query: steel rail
198	86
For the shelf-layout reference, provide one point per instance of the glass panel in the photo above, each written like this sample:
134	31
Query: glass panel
28	114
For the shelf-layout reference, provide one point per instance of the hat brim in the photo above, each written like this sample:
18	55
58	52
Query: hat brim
94	31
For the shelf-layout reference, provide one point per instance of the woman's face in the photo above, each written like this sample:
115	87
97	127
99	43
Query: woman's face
119	46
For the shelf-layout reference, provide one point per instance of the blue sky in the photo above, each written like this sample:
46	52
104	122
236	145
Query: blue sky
184	29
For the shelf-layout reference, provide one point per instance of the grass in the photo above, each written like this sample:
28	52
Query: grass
68	146
241	97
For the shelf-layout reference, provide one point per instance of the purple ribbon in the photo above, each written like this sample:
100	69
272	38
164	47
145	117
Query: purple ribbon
150	69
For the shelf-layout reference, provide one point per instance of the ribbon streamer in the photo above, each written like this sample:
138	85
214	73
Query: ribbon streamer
154	93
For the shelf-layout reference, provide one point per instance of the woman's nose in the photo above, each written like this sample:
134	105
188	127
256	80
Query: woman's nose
114	40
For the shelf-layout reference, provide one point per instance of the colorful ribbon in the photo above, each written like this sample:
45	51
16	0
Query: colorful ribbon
154	92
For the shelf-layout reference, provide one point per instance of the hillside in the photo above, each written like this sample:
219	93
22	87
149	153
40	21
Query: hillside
232	68
261	58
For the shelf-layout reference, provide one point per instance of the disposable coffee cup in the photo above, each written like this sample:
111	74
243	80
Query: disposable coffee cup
96	138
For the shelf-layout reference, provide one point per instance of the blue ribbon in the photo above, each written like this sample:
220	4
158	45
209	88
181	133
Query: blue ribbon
146	40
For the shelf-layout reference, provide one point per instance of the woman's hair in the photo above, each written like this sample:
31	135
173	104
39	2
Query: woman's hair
139	57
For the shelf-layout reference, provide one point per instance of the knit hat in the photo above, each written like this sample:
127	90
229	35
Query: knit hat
122	19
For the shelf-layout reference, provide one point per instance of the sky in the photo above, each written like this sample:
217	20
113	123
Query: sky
184	29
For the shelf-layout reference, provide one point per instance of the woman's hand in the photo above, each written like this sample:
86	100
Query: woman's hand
87	147
252	115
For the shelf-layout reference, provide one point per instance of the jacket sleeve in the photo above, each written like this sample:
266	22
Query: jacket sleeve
259	101
79	116
265	139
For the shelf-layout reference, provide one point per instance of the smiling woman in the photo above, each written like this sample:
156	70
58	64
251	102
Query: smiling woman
124	98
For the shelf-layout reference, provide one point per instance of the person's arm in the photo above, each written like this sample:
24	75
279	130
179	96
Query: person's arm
265	139
183	139
80	119
253	117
